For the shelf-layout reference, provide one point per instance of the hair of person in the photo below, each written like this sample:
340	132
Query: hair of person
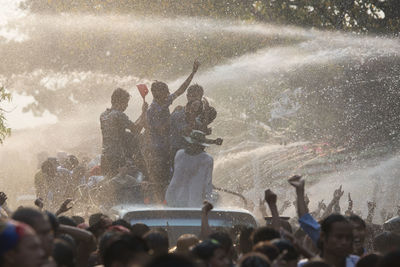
63	253
47	164
283	245
392	259
119	96
316	263
157	241
245	242
171	260
268	249
66	221
254	259
327	223
95	218
123	223
78	219
53	221
386	241
264	233
123	249
106	239
27	215
223	238
195	89
357	219
185	242
211	114
158	87
205	250
369	260
139	229
69	239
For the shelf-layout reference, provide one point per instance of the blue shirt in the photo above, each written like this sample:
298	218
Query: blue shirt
178	125
310	226
158	125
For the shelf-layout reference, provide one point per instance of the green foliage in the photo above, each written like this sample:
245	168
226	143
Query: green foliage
4	130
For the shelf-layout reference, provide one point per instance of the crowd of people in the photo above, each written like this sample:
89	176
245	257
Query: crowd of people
160	158
323	238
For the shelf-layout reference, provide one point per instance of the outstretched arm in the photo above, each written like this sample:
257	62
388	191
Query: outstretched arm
137	127
336	198
205	230
371	211
189	79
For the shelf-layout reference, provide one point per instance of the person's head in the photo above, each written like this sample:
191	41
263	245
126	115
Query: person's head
392	259
291	256
98	224
78	219
254	259
210	115
336	236
194	108
160	92
49	167
123	223
139	229
196	142
194	92
370	260
126	250
120	99
19	245
40	223
386	242
63	253
67	221
316	263
245	243
268	249
157	242
185	242
392	225
359	233
226	242
171	260
212	253
265	234
71	162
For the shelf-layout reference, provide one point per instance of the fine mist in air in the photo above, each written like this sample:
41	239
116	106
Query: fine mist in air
270	85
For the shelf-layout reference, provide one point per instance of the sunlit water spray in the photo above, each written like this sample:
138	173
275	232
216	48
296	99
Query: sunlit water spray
71	64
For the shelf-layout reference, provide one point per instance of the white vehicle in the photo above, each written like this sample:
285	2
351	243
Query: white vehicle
178	221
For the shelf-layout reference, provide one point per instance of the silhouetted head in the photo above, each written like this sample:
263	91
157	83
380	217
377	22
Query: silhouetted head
120	99
160	92
254	259
157	242
194	92
264	234
185	242
359	233
386	242
336	236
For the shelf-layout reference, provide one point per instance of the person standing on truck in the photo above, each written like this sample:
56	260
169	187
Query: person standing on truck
191	183
119	146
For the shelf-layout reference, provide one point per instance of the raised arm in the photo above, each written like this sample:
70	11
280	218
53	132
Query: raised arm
137	127
271	199
3	204
205	230
336	198
189	79
371	211
298	183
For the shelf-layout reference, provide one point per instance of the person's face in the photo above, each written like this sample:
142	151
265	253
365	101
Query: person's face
194	108
359	234
45	233
219	259
29	252
163	95
124	104
339	242
193	97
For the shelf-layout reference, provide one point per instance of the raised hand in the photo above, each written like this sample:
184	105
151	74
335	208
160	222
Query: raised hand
296	181
262	208
64	206
145	106
39	203
338	193
196	66
207	207
371	205
3	198
270	197
321	205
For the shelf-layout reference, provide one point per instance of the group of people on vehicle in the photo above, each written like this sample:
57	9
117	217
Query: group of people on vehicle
171	146
32	237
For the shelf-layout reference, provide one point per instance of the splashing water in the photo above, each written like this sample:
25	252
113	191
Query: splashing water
71	63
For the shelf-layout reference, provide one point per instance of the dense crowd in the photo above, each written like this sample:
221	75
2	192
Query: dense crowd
160	159
38	237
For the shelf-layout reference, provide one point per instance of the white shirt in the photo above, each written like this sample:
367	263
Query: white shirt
351	261
191	183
